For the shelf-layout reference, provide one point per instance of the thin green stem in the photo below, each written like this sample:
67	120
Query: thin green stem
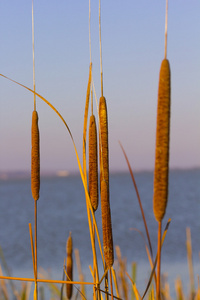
159	261
166	25
100	43
33	57
36	288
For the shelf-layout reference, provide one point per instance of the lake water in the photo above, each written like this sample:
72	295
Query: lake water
61	209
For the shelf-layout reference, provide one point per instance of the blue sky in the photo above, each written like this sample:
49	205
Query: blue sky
132	49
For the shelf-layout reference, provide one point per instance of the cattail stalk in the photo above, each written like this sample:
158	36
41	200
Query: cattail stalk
160	196
93	163
162	143
35	157
69	263
104	184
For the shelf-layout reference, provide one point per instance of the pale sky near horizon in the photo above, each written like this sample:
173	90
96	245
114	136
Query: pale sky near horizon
132	49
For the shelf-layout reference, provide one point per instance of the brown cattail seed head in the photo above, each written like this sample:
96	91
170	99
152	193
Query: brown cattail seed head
69	249
35	157
162	143
103	141
104	183
106	225
93	163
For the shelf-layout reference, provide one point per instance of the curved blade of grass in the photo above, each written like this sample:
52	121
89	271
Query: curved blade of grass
115	281
108	294
154	266
78	161
85	120
147	250
62	285
137	294
139	200
78	290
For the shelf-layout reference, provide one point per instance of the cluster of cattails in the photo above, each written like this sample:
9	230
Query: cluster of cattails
104	176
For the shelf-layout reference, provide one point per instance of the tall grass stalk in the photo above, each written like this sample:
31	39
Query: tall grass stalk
35	161
160	196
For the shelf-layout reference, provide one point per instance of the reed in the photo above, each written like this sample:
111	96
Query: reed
160	194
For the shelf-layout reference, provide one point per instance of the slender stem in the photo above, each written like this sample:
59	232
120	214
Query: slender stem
90	47
166	24
32	249
33	57
106	286
90	31
36	247
159	260
101	67
46	280
111	286
94	264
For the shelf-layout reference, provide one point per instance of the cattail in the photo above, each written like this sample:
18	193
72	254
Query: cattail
103	141
69	247
93	163
35	157
106	225
162	143
104	184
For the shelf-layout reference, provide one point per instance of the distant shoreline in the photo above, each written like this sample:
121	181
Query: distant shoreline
6	175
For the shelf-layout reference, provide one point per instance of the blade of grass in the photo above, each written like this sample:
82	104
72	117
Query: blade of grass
32	249
137	294
115	281
85	121
147	251
108	294
72	282
62	285
134	271
81	276
139	200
